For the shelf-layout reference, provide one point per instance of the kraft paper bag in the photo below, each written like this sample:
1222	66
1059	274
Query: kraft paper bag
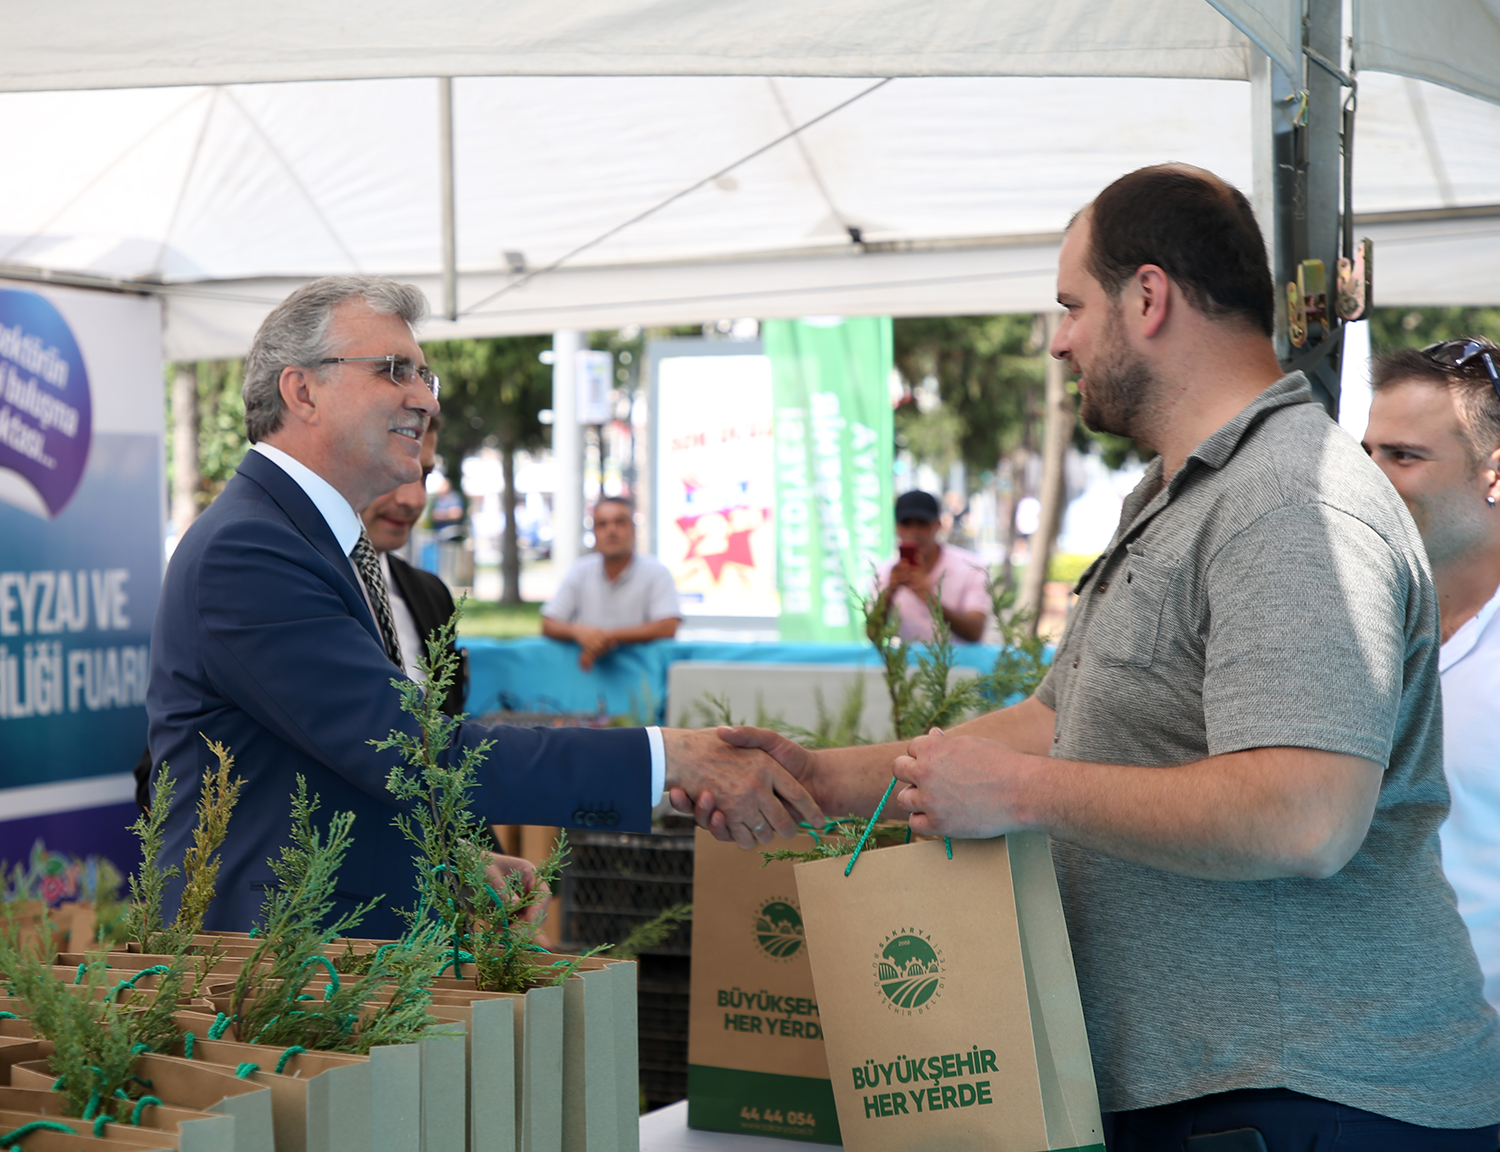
180	1083
72	1142
523	1050
948	999
445	1103
194	1131
490	1033
121	1136
755	1039
320	1101
595	1019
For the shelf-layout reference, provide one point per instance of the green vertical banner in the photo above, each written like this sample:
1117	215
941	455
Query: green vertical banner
832	411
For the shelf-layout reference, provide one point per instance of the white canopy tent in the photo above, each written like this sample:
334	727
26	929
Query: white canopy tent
654	162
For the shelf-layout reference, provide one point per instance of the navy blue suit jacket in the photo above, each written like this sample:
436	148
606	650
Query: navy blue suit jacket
264	642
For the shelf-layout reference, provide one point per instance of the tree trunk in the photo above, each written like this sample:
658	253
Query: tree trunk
185	473
510	553
1059	431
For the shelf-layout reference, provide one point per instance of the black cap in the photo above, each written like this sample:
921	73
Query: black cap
917	506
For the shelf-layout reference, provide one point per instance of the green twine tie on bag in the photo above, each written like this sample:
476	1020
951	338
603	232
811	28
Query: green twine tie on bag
870	827
140	1106
11	1140
154	970
216	1029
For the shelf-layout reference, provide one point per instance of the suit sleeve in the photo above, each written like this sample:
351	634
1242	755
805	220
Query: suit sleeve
281	636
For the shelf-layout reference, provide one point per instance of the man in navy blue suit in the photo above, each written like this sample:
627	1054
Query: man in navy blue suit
274	634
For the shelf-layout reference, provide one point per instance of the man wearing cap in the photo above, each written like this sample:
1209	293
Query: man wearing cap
926	565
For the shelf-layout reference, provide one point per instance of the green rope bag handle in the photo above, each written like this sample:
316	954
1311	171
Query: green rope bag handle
246	1070
100	1121
154	970
216	1029
11	1141
294	1050
82	968
332	972
188	1040
140	1106
8	1016
870	827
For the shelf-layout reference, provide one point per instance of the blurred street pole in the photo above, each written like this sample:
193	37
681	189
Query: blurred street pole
1057	435
567	450
185	473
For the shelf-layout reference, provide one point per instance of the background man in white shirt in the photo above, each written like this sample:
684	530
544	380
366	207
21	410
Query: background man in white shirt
613	595
1435	431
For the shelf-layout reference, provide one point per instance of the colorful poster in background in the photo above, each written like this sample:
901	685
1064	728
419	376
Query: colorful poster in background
81	519
715	521
833	468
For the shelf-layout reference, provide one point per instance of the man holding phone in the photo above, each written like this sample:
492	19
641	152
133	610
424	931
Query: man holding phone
925	565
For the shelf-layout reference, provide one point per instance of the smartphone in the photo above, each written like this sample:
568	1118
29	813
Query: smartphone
908	553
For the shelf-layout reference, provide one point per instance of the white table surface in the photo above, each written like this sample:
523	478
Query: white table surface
666	1130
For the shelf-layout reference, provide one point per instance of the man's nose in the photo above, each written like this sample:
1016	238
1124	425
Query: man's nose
1058	349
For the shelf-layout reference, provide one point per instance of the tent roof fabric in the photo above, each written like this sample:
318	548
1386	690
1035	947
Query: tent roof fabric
655	161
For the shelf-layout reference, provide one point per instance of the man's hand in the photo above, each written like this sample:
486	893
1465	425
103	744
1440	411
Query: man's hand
905	575
594	642
735	793
958	786
501	867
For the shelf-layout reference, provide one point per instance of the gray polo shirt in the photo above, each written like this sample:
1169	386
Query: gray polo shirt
643	592
1275	593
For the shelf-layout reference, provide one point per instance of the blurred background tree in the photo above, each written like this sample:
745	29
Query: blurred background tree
493	391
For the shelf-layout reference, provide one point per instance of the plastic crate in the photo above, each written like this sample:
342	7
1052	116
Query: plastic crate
663	1010
616	881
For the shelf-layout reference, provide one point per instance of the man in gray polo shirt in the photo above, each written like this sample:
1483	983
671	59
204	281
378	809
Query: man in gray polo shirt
1237	750
613	595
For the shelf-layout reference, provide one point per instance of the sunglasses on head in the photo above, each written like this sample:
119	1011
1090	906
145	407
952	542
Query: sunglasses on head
1466	356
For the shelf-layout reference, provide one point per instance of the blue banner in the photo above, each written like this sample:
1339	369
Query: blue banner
81	518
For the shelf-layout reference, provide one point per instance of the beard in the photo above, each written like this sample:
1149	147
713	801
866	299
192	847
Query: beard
1119	388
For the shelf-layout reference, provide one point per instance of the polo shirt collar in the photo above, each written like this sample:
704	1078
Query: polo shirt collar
340	516
1215	451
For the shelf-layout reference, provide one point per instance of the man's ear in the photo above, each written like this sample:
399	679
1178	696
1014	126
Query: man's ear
1492	466
297	395
1153	303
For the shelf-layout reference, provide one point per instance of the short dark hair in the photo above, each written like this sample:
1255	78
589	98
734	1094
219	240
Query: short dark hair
1473	393
1198	229
623	501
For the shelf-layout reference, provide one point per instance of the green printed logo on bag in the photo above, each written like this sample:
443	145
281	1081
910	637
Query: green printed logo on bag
778	928
909	970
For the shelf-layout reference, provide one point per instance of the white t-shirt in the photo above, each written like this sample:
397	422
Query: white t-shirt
643	592
1470	667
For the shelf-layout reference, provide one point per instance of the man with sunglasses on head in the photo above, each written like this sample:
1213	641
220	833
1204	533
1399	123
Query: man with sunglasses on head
274	634
1435	431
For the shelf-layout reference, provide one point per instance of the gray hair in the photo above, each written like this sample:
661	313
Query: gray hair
295	334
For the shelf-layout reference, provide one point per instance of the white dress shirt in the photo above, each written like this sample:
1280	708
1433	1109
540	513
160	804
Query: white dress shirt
346	526
1470	668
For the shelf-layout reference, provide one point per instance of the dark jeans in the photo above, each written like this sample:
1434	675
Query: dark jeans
1289	1121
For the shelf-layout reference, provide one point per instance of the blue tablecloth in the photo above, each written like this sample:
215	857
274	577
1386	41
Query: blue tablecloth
541	675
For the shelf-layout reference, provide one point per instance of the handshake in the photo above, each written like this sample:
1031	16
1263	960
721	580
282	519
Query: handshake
748	785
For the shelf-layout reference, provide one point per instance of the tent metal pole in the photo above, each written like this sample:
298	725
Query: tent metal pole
1307	128
450	229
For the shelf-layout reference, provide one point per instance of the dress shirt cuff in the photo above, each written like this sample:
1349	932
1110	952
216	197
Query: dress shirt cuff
658	764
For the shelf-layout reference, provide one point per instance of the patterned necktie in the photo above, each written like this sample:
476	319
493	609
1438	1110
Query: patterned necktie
369	571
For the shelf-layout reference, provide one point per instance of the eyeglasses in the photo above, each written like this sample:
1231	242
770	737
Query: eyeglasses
1465	355
400	370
